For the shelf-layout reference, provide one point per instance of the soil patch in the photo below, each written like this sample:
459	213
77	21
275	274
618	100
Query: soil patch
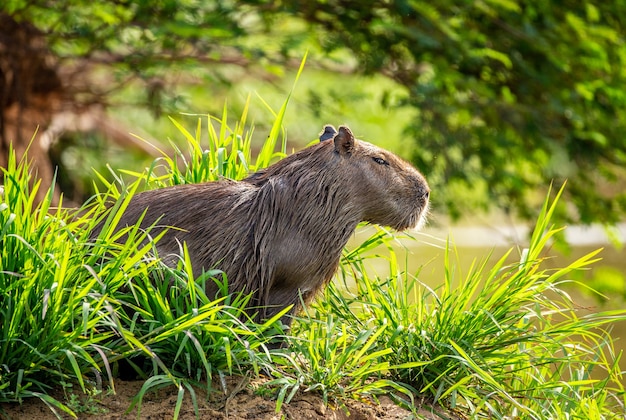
238	403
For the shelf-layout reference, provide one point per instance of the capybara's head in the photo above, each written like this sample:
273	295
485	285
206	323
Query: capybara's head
351	180
388	190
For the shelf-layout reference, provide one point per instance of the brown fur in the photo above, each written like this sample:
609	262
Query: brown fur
279	233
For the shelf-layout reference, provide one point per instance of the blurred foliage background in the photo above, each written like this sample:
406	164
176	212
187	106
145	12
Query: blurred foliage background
493	100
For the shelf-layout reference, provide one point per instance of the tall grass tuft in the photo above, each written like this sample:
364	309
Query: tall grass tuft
51	302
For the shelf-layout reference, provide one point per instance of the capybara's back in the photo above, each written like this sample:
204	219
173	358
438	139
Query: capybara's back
279	233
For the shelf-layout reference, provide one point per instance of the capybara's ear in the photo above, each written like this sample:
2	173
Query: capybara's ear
344	141
328	133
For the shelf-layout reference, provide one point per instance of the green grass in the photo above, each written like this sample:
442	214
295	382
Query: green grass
492	341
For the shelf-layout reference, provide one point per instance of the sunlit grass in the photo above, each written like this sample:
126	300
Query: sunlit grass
50	301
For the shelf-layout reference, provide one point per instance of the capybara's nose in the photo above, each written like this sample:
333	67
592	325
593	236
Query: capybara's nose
423	192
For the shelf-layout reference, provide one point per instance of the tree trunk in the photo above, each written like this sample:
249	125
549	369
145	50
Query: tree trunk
30	94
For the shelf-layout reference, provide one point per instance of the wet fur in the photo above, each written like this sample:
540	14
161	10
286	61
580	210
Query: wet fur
279	233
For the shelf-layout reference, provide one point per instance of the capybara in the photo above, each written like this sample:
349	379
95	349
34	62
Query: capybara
280	232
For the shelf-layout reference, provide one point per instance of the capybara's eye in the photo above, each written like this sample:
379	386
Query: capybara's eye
380	161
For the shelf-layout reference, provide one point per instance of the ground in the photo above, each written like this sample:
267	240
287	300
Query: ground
240	403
